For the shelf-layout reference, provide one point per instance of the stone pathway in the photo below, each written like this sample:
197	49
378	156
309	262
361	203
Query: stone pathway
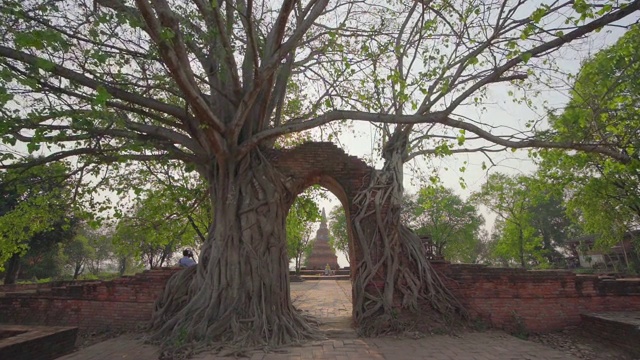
330	302
323	298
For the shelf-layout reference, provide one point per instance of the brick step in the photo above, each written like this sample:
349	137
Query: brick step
620	328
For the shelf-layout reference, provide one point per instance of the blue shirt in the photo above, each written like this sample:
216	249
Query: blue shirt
186	262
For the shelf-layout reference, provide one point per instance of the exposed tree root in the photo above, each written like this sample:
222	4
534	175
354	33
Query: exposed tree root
393	275
237	297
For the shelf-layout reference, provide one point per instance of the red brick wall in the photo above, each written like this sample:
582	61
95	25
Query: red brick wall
109	305
27	287
327	165
541	301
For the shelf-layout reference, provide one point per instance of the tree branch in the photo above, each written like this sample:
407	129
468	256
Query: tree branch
543	48
440	117
78	78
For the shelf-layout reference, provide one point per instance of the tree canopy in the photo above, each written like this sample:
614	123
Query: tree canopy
452	223
602	194
35	212
303	214
109	80
339	235
532	226
164	219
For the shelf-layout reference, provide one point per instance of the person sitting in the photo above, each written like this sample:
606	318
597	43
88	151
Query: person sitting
327	270
187	259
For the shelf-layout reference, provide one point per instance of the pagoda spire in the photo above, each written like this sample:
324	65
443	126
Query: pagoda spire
323	221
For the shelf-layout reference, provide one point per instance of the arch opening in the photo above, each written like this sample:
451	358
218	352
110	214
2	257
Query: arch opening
321	284
326	165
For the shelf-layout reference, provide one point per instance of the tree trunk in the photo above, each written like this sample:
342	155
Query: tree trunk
123	265
77	270
547	247
13	269
238	294
440	248
393	274
521	238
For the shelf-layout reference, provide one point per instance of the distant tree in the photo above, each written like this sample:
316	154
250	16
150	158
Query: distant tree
551	221
339	239
44	258
163	220
452	223
602	195
169	209
532	225
303	214
483	248
104	250
35	212
508	197
78	252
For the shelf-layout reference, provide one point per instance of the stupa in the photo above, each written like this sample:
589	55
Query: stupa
322	254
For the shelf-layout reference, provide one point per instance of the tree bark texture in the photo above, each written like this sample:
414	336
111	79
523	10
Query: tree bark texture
238	295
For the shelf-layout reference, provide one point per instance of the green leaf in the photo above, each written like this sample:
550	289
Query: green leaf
45	64
539	13
102	96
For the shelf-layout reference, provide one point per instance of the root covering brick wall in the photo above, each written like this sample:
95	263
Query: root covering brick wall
538	301
107	305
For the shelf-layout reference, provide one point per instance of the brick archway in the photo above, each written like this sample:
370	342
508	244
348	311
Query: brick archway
327	165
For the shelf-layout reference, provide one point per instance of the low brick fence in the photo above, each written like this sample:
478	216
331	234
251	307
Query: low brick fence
537	301
512	299
36	342
32	287
122	303
617	330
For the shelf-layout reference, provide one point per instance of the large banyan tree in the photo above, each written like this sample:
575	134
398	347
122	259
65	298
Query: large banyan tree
214	84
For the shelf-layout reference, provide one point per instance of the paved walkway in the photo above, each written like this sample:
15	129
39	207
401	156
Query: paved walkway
324	299
330	301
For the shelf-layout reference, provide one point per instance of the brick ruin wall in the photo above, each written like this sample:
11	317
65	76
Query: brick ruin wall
327	165
541	301
624	335
123	303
